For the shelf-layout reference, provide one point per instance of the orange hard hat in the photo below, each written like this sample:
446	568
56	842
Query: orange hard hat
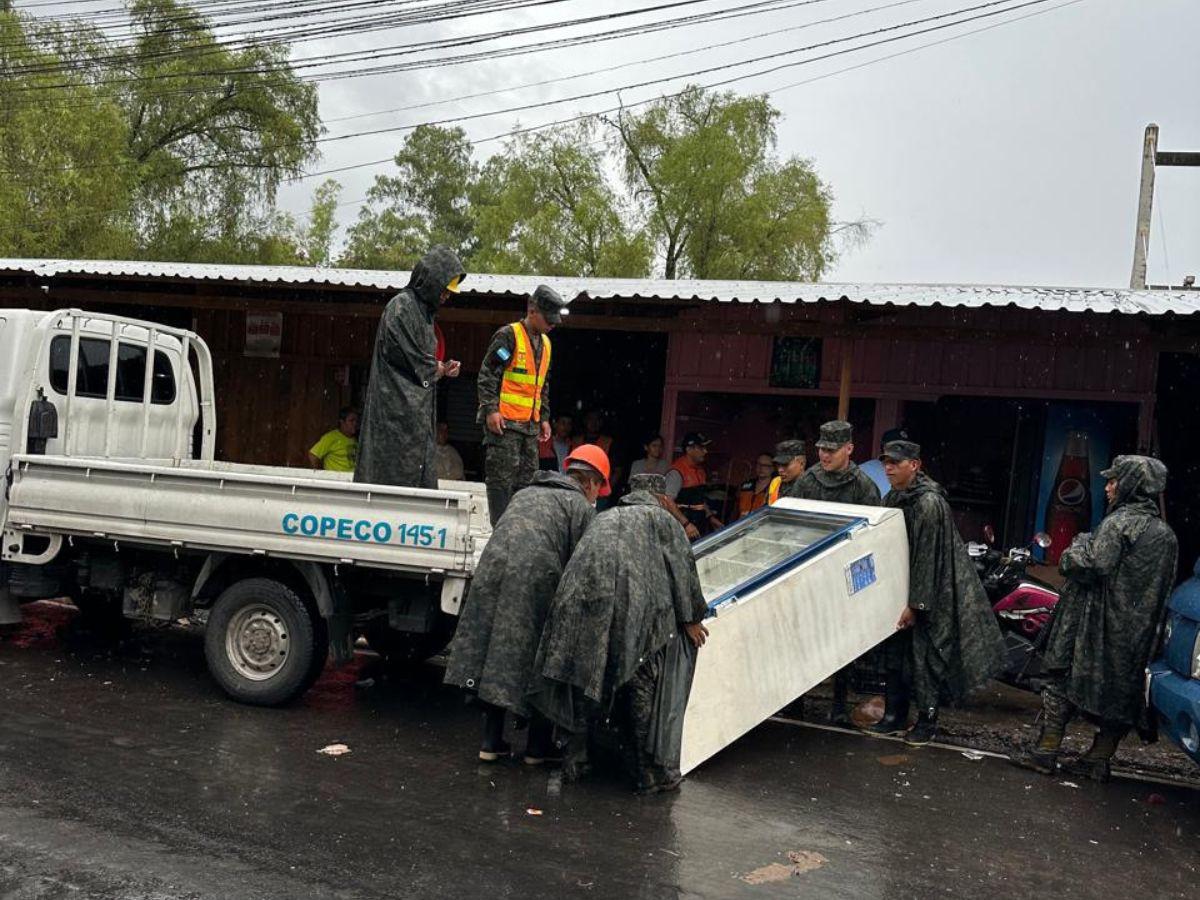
594	457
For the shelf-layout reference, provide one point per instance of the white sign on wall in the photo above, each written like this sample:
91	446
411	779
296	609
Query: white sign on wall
264	333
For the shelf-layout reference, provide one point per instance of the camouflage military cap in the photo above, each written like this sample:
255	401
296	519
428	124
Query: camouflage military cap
899	451
648	481
550	303
835	435
786	451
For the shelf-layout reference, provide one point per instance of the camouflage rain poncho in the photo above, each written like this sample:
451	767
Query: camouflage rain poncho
956	642
396	442
1118	579
501	621
851	485
628	589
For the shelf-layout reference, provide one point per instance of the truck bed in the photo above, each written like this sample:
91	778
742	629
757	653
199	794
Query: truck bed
320	517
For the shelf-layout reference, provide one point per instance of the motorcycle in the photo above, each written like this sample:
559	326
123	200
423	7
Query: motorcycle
1022	603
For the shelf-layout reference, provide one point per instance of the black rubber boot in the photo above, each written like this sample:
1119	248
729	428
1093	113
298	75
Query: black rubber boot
494	748
925	729
540	748
895	711
839	711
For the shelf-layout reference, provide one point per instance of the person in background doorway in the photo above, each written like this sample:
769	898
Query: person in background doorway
337	450
553	453
448	460
653	463
593	433
1104	628
505	609
950	642
790	462
396	443
753	492
686	484
873	468
514	397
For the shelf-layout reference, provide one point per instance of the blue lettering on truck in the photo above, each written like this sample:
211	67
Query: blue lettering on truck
364	531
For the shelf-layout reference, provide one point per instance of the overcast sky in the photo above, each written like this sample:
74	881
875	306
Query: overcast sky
1008	156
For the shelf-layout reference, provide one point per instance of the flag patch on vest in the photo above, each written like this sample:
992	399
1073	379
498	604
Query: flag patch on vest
504	354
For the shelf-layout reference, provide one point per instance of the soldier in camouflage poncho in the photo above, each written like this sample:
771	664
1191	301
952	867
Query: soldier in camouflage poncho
1104	627
396	438
613	639
955	644
500	625
836	479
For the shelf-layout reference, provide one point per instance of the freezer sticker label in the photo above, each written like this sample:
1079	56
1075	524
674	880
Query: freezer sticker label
860	574
365	531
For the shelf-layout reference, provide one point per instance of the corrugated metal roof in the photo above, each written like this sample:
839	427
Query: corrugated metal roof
1098	300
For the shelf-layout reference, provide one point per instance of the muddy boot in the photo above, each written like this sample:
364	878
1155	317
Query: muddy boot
540	748
924	730
895	711
1096	764
1043	756
494	748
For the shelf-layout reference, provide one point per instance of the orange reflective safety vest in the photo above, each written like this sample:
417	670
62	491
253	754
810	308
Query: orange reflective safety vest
520	387
773	490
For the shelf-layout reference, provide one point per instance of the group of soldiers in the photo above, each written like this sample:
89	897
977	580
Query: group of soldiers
576	622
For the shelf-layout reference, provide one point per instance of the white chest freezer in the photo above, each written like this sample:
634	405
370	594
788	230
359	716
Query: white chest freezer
795	591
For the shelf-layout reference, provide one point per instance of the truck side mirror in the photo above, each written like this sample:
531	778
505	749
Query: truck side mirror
43	424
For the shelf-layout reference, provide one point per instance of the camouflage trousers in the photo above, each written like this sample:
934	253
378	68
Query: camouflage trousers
510	461
635	710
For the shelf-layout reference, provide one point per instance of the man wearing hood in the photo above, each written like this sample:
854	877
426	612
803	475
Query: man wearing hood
396	438
952	642
514	397
836	479
622	632
500	625
1104	627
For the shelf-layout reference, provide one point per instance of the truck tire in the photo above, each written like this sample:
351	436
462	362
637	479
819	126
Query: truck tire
405	648
261	643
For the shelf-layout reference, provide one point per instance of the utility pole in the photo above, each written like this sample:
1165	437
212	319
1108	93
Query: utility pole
1151	158
1141	236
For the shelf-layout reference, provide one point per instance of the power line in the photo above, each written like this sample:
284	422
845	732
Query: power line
639	62
725	82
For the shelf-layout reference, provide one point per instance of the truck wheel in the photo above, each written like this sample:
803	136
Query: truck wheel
260	642
403	648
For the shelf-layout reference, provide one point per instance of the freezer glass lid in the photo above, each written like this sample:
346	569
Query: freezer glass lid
758	547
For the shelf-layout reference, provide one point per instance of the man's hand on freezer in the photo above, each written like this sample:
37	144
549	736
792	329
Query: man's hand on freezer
907	619
696	633
691	531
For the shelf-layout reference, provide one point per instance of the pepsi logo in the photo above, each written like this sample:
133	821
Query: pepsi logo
1072	492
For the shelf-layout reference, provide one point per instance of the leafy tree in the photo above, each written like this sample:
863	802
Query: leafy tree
717	201
426	202
316	238
544	205
173	145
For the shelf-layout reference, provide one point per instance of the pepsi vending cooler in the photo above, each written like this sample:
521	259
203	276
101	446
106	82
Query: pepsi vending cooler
795	592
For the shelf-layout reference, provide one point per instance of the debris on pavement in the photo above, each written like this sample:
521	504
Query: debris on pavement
533	811
334	750
1069	784
801	861
896	759
973	755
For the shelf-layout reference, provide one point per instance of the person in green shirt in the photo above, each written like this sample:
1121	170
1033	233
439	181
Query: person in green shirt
337	450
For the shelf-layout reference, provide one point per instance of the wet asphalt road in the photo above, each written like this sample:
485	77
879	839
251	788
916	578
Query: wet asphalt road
130	778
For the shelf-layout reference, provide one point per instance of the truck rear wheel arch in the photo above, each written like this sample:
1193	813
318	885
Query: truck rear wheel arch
307	579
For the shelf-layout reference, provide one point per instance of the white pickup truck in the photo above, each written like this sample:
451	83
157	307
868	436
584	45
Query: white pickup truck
113	498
